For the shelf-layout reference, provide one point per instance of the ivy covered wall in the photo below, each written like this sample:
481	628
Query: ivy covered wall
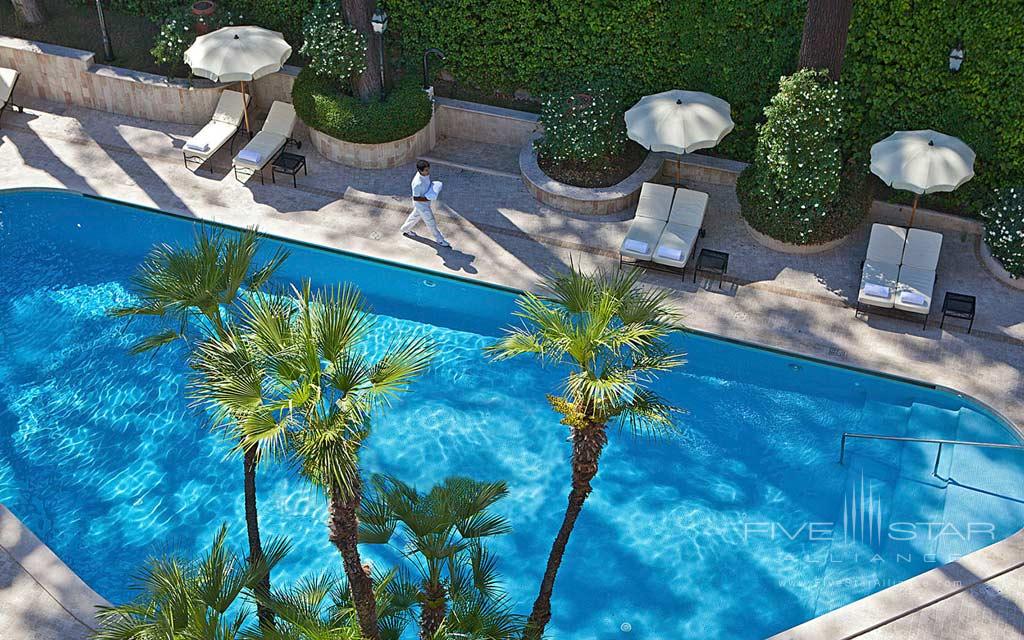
896	74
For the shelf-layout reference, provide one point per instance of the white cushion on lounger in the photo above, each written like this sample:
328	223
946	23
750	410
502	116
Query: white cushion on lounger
676	237
922	249
7	79
919	282
265	146
655	201
281	119
645	231
688	207
886	244
882	274
229	109
209	139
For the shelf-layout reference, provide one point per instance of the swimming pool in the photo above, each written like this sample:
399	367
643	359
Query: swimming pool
742	527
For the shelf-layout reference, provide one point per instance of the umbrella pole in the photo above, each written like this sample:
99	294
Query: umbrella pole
245	109
913	209
679	161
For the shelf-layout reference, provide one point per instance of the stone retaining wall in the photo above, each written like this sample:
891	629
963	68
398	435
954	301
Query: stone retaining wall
376	156
72	77
484	123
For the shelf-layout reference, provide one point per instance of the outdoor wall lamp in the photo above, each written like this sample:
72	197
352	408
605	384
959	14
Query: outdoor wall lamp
956	57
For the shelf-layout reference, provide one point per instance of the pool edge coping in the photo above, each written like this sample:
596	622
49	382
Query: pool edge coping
849	621
46	569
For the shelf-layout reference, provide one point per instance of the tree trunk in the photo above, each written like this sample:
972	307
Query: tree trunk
433	610
824	41
344	534
29	11
252	527
587	445
367	84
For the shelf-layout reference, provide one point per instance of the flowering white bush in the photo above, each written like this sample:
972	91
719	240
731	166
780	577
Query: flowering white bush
335	50
790	189
178	32
583	126
1004	229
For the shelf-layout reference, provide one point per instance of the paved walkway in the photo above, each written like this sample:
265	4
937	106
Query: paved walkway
501	234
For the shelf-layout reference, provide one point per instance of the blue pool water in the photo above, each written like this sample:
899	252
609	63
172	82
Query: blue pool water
742	527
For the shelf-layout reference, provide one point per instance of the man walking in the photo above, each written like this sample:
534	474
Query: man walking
422	194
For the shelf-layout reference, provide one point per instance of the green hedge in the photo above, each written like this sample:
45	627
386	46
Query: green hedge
322	106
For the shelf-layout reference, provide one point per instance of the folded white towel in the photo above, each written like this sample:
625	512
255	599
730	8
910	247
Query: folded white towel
635	246
250	155
914	298
671	253
434	191
195	146
876	290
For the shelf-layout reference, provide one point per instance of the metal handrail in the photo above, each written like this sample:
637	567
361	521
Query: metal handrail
938	441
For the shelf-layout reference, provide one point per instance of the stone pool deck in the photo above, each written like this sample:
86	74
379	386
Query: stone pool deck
501	234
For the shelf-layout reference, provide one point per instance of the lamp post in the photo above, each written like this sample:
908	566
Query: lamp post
380	25
108	50
956	57
426	71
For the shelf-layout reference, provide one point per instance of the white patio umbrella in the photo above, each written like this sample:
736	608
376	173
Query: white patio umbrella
923	161
679	121
238	54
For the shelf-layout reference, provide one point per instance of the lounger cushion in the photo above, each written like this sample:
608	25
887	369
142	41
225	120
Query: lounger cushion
688	207
212	137
884	274
886	244
281	119
265	145
646	231
655	201
913	283
679	238
230	109
7	79
922	249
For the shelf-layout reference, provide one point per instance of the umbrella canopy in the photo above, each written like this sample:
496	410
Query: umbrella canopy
922	161
237	54
679	121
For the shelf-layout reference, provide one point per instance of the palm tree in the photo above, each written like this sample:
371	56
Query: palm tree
295	379
611	335
441	534
187	599
196	289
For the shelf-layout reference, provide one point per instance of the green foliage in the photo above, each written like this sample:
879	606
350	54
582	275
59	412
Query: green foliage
1004	229
322	105
285	16
151	8
791	190
178	32
582	126
335	50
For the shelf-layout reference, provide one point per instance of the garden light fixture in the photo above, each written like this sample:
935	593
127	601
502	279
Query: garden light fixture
380	25
956	57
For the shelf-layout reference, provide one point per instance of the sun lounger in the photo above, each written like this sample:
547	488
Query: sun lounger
227	118
917	273
652	212
881	268
685	222
8	78
261	150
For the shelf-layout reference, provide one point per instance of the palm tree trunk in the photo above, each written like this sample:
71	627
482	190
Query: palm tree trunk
433	611
587	445
344	533
252	527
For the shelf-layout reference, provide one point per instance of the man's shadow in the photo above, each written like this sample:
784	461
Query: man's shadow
453	258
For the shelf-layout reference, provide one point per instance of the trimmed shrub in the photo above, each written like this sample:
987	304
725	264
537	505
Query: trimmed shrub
582	126
335	50
177	33
791	190
324	107
1004	229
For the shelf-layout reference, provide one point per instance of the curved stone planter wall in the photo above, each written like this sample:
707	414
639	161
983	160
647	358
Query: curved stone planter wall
599	201
376	156
785	247
997	269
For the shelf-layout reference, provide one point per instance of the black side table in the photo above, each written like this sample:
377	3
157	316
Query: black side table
289	164
710	261
959	305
